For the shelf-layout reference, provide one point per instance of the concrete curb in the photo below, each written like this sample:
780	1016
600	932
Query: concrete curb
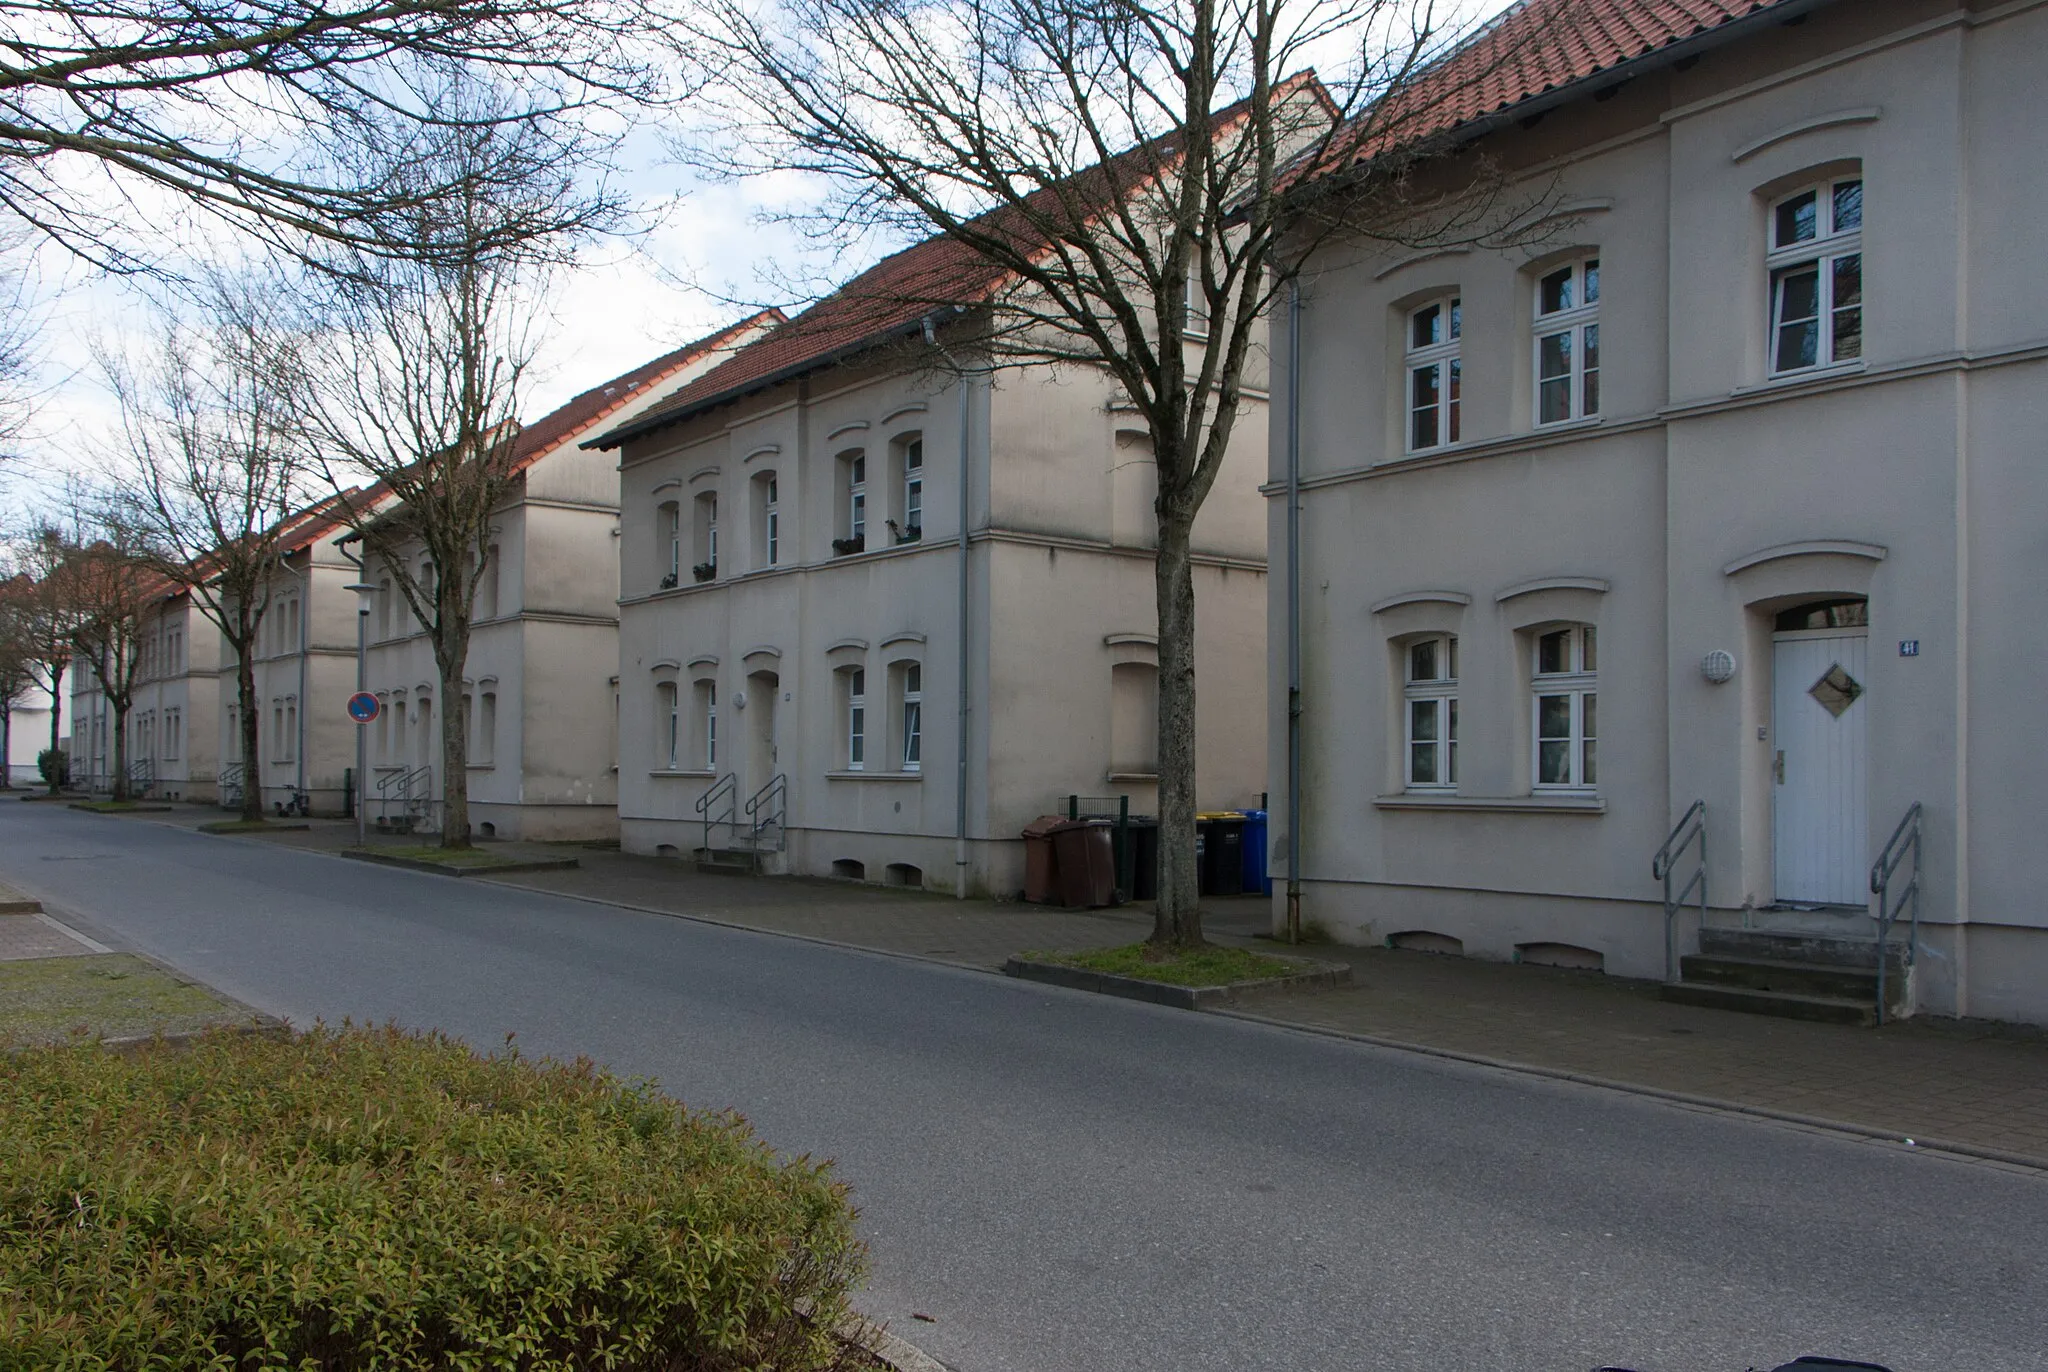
1315	976
1918	1143
880	1343
224	828
453	869
93	807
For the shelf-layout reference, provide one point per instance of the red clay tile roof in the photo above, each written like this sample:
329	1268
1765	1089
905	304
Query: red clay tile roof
1537	47
892	297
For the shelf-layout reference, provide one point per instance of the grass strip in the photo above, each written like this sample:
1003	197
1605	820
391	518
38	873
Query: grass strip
1209	965
112	995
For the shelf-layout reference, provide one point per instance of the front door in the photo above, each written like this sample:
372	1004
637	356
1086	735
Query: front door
1817	725
762	689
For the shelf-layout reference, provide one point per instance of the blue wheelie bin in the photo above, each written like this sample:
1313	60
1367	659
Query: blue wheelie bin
1258	880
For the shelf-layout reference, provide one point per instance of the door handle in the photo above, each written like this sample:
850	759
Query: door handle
1778	767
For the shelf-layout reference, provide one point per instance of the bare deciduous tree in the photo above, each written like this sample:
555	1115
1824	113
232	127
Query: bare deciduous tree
1122	169
44	597
209	467
17	667
415	383
234	107
110	590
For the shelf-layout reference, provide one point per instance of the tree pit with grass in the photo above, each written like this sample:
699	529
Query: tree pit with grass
1205	964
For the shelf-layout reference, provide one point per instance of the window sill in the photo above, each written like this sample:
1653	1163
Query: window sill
1573	804
1133	776
683	773
1781	380
1565	426
874	776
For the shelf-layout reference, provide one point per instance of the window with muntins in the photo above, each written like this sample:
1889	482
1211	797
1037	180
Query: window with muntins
1566	724
1431	704
1816	265
1435	373
913	490
670	523
667	725
706	565
857	498
856	720
707	710
1568	343
771	521
913	717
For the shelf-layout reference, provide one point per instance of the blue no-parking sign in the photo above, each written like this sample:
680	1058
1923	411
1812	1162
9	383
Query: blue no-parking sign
363	707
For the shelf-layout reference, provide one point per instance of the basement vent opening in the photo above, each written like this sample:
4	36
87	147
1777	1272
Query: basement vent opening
850	870
1426	941
667	850
903	874
1561	955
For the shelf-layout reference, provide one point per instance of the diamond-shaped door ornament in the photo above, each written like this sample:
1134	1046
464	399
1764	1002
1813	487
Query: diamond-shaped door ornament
1836	690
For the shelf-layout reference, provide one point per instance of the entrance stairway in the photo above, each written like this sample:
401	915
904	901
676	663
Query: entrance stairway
1832	980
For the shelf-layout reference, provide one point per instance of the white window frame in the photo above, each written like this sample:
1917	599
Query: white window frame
913	488
856	719
486	724
1434	698
1579	685
1836	244
711	528
857	497
671	512
1441	353
667	724
771	518
913	716
1577	321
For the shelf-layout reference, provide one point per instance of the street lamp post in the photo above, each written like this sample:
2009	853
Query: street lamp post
364	590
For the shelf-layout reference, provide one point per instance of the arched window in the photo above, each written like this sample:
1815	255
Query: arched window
1565	696
1568	342
1436	374
1816	263
1431	712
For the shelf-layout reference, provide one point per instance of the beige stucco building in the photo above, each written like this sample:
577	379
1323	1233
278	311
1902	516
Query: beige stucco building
173	719
538	692
899	609
1724	488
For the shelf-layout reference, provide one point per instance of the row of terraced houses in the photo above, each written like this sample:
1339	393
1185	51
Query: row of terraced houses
1666	578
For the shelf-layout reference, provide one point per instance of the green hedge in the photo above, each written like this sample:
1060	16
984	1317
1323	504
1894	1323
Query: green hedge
375	1199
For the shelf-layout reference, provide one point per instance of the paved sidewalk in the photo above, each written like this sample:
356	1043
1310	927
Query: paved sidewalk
1980	1085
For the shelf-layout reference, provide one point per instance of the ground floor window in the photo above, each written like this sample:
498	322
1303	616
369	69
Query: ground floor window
1431	701
1566	708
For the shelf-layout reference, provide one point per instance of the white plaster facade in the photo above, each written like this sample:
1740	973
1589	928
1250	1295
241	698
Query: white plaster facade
543	649
173	739
1022	658
1714	490
29	732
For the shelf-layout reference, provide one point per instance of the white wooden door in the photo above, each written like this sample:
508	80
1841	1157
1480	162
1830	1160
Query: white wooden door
1821	814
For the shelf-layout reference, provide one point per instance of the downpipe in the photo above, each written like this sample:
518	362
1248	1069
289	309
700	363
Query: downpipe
1294	609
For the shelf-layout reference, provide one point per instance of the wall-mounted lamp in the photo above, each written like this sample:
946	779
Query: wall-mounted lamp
1718	666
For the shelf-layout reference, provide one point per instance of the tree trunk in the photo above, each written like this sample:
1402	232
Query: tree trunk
1178	921
251	725
454	746
6	746
120	777
57	774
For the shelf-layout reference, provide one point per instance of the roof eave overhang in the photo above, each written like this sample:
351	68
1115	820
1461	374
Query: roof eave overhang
647	424
1585	87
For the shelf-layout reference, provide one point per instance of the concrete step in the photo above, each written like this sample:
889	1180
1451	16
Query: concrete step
1791	946
726	862
1785	1005
1769	974
13	902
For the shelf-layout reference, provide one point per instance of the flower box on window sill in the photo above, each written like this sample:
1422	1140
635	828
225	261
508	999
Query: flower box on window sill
910	534
843	546
668	583
704	571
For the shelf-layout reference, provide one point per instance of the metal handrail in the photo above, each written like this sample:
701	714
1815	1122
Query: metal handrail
726	788
412	789
142	775
1902	845
229	784
769	805
1693	825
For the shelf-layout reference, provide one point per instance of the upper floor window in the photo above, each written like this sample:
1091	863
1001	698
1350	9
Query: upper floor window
1435	373
706	565
769	492
669	524
1568	343
913	490
856	719
1565	689
1816	263
1431	697
857	498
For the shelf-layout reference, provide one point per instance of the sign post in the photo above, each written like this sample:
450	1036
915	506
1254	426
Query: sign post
363	708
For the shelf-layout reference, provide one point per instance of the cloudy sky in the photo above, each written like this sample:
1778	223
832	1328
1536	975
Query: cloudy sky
714	245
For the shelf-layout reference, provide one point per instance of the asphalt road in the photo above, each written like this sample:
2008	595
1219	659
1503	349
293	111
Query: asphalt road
1071	1182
